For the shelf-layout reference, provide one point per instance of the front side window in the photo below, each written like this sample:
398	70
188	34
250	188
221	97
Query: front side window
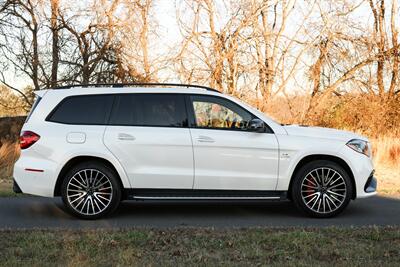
85	109
218	113
162	110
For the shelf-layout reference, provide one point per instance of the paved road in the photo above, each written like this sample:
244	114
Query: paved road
35	212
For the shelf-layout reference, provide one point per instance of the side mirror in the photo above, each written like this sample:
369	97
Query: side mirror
256	125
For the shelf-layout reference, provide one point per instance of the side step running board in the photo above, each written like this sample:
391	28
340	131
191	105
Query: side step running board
189	194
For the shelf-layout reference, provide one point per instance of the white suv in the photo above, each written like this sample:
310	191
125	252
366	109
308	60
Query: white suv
97	145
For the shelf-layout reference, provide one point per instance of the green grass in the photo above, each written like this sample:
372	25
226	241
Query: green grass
204	247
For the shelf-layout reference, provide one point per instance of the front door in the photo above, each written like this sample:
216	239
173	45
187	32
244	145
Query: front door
228	156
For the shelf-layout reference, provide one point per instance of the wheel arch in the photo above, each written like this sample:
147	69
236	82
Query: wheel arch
314	157
80	159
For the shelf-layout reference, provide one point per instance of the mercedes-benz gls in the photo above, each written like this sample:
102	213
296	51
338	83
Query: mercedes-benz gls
98	145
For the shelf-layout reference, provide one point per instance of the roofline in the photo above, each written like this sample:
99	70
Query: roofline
120	85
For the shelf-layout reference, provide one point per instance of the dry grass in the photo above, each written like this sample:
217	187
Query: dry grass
6	188
386	155
388	180
386	151
9	153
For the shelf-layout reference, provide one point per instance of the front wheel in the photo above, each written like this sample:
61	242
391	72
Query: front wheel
91	190
322	189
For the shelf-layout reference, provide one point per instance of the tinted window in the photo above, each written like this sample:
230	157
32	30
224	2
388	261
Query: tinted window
92	109
163	110
218	113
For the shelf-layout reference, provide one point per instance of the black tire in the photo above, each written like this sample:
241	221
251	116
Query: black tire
97	207
308	195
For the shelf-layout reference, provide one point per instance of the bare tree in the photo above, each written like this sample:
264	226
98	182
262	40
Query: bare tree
139	41
54	27
217	49
20	27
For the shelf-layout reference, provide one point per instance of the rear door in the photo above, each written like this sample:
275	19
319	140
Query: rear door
149	135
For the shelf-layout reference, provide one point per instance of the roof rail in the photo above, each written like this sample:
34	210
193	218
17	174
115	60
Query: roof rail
119	85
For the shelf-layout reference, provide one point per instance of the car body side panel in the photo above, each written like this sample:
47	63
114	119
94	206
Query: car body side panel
294	148
53	151
235	160
154	157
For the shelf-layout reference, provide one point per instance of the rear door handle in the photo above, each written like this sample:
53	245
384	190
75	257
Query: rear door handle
205	139
125	136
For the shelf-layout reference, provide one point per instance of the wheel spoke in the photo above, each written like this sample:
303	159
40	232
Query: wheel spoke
97	205
327	202
96	187
333	202
82	185
309	186
83	180
75	195
81	196
310	195
76	190
315	179
336	194
334	186
332	183
316	200
318	178
315	184
99	200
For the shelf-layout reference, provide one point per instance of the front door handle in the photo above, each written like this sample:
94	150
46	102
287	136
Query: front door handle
125	136
205	139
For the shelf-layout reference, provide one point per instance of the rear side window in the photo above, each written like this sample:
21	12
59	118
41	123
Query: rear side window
87	109
162	110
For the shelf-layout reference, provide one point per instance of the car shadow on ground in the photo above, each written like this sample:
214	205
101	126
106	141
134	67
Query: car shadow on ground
36	212
373	211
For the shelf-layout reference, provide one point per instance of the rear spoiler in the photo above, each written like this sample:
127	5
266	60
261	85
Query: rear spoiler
41	93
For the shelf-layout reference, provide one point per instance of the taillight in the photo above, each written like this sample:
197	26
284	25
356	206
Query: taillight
27	139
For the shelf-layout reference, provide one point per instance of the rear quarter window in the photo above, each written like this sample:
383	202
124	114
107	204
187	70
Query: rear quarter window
85	109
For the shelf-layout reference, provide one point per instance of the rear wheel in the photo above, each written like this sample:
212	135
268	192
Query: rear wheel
91	190
322	189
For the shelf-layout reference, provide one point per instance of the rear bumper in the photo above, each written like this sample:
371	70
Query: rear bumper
35	177
16	188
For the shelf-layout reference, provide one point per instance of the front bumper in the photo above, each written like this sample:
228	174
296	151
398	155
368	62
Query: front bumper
371	184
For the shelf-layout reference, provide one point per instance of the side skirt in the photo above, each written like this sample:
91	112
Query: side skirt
202	194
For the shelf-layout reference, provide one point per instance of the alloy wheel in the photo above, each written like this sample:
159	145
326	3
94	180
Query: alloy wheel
89	192
323	190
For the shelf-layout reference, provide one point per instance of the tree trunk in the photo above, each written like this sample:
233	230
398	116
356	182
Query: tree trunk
55	48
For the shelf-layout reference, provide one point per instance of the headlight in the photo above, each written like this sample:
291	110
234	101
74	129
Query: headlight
360	146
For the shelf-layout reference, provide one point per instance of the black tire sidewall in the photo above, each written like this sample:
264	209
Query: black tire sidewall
300	175
117	191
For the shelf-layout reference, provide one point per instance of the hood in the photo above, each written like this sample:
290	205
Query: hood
321	132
